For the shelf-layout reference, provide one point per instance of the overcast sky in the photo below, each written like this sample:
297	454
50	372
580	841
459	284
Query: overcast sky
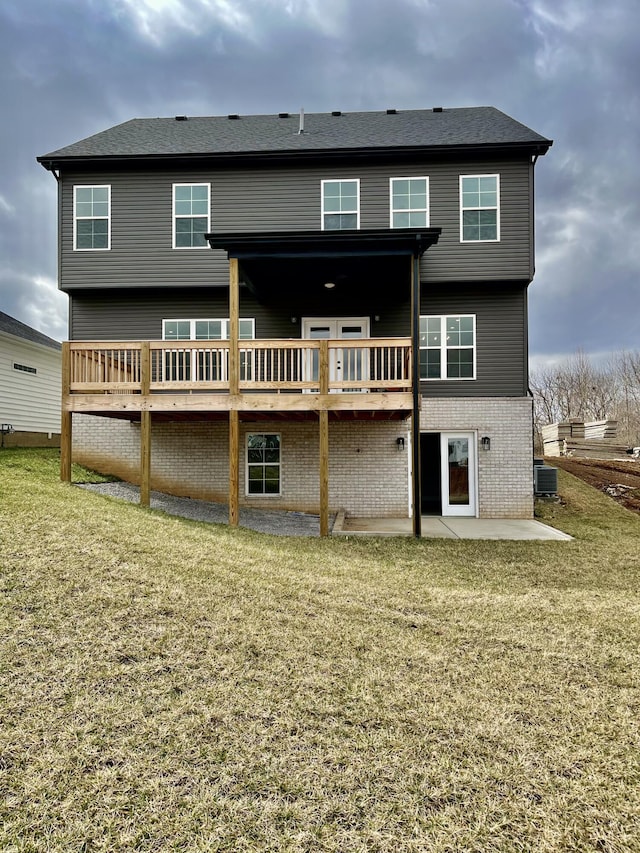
569	69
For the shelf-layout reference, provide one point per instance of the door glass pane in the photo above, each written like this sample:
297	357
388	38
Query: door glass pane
458	461
351	332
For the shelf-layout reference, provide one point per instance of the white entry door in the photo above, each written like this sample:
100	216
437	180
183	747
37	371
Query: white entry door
458	471
344	364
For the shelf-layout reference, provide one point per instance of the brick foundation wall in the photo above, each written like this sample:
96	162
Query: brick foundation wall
368	476
505	478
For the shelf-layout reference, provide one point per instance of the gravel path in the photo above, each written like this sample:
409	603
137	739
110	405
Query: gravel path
277	522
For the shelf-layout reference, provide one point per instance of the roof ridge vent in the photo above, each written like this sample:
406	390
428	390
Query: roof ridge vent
182	118
283	115
392	112
233	116
438	109
336	113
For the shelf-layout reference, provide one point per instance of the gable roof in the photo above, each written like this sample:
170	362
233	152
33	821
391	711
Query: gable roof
20	330
263	135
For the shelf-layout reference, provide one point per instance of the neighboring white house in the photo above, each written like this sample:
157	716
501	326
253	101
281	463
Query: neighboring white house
30	385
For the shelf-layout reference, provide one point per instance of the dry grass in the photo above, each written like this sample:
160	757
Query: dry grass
167	685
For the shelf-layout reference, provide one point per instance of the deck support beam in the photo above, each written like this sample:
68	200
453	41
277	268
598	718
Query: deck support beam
324	472
234	468
234	389
415	417
145	427
66	433
145	459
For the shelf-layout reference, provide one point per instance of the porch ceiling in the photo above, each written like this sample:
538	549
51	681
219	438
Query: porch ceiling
364	261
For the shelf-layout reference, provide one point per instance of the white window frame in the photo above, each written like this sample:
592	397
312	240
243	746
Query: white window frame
324	212
495	207
250	464
77	218
444	348
192	324
425	209
175	216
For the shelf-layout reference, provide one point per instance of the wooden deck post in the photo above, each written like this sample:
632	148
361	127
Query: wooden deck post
324	472
145	458
66	428
323	367
234	468
234	390
145	426
234	326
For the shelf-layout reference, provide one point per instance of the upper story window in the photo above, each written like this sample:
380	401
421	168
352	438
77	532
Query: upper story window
191	206
340	205
448	347
409	202
205	330
91	217
479	208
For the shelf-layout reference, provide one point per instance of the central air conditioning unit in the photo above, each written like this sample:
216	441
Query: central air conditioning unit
545	480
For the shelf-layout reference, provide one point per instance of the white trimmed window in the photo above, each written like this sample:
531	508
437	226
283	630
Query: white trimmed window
191	215
91	217
263	464
205	330
479	208
409	202
202	363
448	347
340	205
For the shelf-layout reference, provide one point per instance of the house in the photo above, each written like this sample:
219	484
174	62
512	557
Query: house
313	312
30	383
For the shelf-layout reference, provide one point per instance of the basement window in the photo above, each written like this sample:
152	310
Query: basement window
263	464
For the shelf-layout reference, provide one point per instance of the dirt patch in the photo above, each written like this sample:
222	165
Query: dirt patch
619	479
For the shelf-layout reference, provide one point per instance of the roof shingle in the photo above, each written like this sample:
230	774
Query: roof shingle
20	330
323	132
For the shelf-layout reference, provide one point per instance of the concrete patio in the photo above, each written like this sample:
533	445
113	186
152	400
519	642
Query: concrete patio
437	527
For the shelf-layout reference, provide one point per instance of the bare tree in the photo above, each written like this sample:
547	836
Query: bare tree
576	388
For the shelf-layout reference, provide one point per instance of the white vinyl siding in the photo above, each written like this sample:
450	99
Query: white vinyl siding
479	208
91	218
409	202
30	383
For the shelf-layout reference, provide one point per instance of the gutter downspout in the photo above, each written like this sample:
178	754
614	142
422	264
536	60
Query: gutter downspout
415	387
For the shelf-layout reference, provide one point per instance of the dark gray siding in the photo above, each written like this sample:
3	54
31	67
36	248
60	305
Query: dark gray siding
281	199
501	326
138	314
500	310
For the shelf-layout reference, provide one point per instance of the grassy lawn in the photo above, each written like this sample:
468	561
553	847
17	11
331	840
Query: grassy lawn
168	685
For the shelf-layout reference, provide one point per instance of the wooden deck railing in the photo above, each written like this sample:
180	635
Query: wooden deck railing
303	366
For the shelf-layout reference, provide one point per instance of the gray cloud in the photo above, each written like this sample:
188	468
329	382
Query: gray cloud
567	68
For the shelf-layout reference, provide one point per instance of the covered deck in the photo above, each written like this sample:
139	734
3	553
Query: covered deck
234	378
